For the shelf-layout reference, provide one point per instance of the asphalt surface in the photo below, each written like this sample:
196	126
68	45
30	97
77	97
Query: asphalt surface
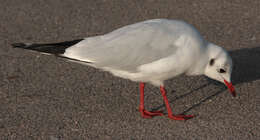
44	97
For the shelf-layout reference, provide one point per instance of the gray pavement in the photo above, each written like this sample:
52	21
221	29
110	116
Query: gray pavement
44	97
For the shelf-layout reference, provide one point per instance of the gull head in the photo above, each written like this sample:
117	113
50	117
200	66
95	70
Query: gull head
219	66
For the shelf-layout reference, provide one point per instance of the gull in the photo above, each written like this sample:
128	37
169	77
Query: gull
150	51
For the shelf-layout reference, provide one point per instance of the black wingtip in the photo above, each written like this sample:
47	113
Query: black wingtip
51	48
19	45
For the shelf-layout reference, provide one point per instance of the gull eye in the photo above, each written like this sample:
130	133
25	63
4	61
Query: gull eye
222	71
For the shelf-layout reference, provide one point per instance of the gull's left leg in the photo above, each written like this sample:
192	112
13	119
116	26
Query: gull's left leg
145	113
170	114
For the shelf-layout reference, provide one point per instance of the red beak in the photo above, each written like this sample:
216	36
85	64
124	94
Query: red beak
231	88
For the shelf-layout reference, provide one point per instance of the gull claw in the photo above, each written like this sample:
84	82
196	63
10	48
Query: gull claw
150	114
180	117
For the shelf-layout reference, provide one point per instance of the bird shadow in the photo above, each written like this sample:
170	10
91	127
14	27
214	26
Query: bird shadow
246	68
246	65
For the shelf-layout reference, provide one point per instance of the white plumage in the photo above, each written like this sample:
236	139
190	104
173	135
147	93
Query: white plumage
150	51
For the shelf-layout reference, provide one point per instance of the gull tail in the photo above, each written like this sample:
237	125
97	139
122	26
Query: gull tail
49	48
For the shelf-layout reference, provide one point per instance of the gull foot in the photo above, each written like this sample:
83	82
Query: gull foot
180	117
150	114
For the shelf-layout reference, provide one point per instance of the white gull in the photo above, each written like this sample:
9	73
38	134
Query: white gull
151	51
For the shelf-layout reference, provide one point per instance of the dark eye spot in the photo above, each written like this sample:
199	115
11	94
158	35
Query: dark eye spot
211	62
222	71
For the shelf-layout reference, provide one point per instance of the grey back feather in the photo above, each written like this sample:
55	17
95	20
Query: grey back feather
129	47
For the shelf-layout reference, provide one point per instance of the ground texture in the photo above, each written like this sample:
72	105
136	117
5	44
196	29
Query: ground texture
44	97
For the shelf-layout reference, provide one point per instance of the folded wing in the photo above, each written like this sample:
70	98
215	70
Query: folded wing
127	48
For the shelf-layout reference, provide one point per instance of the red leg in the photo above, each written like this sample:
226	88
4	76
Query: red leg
145	113
170	114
